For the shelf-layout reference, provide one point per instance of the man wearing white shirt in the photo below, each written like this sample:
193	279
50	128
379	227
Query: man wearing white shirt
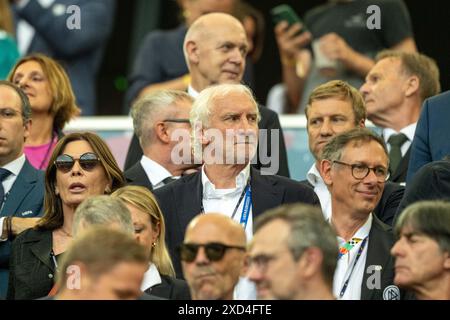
224	121
157	117
21	186
333	108
355	167
394	91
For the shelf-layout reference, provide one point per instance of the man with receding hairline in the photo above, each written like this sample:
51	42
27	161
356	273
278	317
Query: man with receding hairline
212	256
215	49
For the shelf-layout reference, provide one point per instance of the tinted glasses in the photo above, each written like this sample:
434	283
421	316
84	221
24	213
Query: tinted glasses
214	251
88	161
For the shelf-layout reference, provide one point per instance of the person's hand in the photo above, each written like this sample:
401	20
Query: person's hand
290	43
335	47
20	224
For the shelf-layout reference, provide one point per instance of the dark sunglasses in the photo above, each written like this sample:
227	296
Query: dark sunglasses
214	251
88	161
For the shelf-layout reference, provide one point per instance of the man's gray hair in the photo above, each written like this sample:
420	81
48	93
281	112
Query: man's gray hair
148	109
333	149
202	108
308	228
430	218
102	210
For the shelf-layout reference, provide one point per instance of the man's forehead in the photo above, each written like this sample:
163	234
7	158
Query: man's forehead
330	106
235	101
363	149
386	65
9	97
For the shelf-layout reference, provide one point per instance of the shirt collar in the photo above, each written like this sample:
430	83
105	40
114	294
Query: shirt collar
313	176
408	131
155	172
151	277
16	165
192	92
210	191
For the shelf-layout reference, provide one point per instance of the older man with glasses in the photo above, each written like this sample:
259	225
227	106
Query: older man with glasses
354	167
213	256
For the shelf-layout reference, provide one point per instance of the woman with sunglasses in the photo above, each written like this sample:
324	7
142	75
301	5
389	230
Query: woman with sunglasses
52	103
81	166
150	230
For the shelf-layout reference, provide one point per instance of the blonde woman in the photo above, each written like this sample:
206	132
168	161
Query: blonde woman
149	228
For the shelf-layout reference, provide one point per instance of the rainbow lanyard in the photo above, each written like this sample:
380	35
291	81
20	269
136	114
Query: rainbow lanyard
344	249
360	251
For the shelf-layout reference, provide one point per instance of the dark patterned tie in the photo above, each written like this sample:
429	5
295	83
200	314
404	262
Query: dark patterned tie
4	173
395	155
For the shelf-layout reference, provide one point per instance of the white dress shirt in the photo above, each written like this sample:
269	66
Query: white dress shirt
224	201
320	188
346	262
408	131
151	277
192	92
14	167
156	173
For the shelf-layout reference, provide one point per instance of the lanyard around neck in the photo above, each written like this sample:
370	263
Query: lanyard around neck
246	208
360	251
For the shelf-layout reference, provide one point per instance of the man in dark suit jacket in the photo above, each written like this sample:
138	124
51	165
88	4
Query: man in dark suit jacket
221	112
215	66
394	90
431	140
431	182
158	120
73	32
355	168
336	107
21	186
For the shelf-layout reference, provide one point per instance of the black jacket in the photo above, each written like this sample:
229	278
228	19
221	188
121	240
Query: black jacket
32	270
170	288
180	201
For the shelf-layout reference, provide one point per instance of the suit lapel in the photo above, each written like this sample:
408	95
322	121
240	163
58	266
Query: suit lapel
378	254
266	193
42	249
24	183
136	175
190	195
163	289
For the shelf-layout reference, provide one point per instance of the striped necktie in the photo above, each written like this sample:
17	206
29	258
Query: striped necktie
4	173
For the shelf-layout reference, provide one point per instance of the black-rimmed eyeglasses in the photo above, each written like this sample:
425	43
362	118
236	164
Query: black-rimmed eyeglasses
360	171
214	251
